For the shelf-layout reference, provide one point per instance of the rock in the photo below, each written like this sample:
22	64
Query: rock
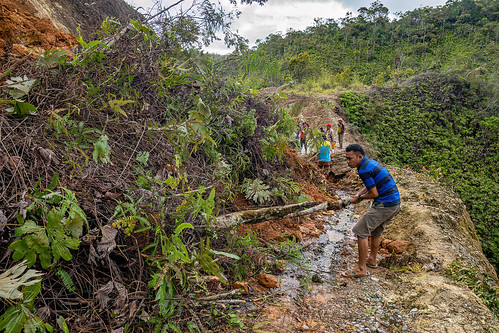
310	229
398	246
243	286
385	242
338	167
267	280
317	278
255	287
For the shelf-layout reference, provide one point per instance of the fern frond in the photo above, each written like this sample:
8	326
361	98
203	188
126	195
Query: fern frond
66	279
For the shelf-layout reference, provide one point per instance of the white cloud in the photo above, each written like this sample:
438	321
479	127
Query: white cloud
257	22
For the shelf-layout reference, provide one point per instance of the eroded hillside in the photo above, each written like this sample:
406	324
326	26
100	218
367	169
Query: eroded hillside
33	26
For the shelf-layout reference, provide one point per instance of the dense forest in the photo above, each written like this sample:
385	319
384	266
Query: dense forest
371	49
433	102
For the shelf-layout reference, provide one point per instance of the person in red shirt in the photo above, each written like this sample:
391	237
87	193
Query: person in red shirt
303	137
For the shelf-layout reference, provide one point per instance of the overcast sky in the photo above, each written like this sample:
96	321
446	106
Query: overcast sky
257	22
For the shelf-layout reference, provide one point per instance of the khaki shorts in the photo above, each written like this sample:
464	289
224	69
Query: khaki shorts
374	220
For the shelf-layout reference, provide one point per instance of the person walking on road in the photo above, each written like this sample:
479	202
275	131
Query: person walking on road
303	137
341	131
380	186
330	137
330	133
325	153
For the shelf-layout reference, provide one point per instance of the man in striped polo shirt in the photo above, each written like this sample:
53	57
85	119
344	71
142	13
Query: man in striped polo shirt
379	186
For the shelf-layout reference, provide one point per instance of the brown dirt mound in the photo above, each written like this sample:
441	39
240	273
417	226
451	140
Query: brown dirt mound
22	33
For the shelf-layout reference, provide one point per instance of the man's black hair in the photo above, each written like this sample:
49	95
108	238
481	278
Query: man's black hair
356	148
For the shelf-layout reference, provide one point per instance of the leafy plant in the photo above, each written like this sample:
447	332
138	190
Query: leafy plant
16	277
22	108
102	150
51	58
288	188
127	214
18	87
93	52
142	157
21	316
53	223
256	190
61	322
43	242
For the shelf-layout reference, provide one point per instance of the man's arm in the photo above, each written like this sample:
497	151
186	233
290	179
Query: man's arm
364	193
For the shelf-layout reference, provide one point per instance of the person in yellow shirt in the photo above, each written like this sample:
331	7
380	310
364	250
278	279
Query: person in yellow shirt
325	153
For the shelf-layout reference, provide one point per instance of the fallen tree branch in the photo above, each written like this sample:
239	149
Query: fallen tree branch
218	296
278	212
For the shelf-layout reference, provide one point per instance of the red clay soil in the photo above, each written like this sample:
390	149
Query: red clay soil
277	231
22	33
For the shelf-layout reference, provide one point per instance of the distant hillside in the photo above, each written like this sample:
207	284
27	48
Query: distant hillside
460	36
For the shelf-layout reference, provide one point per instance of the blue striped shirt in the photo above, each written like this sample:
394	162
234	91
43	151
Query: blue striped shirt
374	174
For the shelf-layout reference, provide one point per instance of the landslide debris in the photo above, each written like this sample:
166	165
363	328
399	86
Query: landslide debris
68	15
23	33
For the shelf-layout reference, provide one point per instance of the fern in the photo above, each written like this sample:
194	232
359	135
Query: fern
66	279
256	190
286	187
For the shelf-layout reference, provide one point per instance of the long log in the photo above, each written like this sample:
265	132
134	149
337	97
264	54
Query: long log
278	212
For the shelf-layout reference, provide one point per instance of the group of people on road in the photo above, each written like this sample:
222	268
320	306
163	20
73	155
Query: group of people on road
326	148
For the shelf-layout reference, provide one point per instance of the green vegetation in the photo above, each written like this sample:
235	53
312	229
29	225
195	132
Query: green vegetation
479	283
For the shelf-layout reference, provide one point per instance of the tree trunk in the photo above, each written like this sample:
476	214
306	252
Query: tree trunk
279	212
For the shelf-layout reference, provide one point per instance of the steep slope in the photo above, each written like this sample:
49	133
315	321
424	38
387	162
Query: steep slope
33	26
67	15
